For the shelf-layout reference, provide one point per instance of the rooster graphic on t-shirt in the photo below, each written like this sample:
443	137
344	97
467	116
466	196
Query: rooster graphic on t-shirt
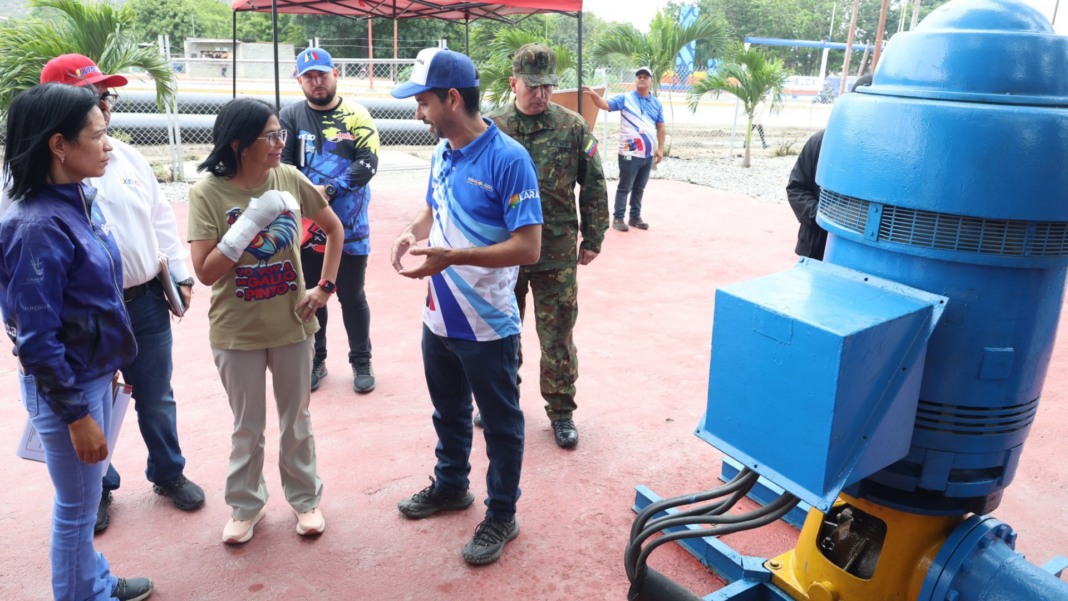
267	280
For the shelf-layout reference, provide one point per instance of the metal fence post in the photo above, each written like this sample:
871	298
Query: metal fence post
170	120
179	174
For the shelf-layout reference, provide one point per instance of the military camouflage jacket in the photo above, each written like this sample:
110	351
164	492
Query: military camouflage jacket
565	152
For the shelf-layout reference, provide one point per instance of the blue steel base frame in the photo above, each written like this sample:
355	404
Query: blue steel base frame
747	579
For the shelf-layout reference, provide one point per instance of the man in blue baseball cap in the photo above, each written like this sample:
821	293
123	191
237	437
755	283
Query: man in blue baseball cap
483	219
334	142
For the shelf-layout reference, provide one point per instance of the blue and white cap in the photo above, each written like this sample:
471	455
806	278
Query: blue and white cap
314	59
438	68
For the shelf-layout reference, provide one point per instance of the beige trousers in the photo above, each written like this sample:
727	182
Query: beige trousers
244	376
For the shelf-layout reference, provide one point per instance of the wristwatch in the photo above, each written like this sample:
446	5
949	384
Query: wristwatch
328	286
331	190
186	282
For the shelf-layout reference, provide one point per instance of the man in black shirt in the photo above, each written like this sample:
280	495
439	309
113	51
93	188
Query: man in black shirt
804	194
334	142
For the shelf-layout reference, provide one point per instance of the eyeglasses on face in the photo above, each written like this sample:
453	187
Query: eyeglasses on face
274	136
110	98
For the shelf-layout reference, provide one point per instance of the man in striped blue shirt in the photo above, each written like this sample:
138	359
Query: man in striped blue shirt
641	144
483	219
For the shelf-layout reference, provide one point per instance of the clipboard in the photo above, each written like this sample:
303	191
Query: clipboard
170	288
30	445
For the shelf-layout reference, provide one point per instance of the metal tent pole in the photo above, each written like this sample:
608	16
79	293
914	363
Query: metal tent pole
879	35
233	56
467	36
277	83
849	49
580	64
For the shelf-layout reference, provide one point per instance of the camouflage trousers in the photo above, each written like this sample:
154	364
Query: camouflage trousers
555	312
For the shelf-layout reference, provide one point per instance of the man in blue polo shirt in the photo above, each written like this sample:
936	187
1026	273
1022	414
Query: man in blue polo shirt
483	219
641	144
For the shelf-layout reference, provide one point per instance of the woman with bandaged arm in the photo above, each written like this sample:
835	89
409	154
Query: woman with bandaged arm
244	231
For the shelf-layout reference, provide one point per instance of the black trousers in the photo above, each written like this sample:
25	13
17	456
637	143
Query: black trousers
354	310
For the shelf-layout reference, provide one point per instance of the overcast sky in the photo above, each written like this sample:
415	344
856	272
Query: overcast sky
640	12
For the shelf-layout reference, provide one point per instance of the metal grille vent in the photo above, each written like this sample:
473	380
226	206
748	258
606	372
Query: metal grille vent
942	231
974	421
848	212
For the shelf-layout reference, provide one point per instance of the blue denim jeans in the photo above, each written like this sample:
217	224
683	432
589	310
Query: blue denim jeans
633	175
79	572
455	370
150	376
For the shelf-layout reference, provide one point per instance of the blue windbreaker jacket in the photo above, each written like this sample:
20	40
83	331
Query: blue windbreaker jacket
60	294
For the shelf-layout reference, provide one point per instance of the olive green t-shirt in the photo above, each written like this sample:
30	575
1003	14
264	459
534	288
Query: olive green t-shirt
254	305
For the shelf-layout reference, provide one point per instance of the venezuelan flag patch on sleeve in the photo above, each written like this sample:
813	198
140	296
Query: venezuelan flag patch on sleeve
591	147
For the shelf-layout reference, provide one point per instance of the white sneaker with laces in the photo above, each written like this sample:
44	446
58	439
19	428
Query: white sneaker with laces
311	522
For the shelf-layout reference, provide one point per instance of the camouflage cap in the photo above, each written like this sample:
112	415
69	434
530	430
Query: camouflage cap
535	64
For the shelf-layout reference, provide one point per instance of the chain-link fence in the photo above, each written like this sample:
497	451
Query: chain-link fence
175	143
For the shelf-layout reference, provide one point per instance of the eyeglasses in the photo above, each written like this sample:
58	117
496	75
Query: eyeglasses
274	136
110	98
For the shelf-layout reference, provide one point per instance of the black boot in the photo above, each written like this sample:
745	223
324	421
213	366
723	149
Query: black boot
566	433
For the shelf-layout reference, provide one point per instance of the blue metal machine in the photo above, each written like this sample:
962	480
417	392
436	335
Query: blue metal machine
892	386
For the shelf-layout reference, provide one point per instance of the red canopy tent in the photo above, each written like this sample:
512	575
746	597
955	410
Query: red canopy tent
505	11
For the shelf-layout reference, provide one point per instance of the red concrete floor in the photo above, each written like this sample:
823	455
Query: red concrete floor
643	337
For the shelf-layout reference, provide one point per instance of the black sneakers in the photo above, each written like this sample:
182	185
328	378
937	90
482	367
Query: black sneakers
638	223
363	376
430	500
132	589
489	540
319	372
619	225
103	520
566	433
185	494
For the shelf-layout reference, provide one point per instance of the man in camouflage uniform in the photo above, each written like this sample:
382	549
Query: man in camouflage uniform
565	152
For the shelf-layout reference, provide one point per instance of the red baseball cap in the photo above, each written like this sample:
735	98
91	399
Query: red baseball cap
78	70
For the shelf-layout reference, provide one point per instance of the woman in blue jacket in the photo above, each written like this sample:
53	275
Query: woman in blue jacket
63	310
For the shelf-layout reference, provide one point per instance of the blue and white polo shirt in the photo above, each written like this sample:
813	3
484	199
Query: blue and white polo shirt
480	194
637	131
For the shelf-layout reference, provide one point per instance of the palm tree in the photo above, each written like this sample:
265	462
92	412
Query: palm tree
658	48
495	73
749	75
93	28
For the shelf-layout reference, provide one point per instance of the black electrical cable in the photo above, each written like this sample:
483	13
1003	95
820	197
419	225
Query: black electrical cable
743	478
634	549
776	509
718	508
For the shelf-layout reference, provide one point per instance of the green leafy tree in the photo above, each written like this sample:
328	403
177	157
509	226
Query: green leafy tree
494	75
749	75
96	29
180	19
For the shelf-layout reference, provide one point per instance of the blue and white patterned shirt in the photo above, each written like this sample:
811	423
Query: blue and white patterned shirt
637	128
480	194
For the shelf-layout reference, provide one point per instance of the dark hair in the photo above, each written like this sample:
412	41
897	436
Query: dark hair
469	96
33	118
864	80
241	119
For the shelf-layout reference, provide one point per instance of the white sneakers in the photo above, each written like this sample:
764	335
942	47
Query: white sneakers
240	531
309	523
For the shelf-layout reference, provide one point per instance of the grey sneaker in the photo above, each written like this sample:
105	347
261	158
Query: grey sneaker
478	419
490	538
132	589
430	500
619	225
319	372
363	376
638	223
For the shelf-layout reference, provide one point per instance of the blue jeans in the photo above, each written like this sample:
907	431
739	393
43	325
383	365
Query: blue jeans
633	175
455	370
150	376
79	572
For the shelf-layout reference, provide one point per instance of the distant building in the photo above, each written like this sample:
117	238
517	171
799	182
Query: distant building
222	51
